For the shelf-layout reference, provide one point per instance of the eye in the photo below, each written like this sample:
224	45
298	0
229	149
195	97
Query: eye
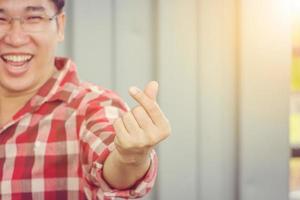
34	18
4	19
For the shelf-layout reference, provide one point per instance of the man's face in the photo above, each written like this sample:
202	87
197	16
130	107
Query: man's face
27	57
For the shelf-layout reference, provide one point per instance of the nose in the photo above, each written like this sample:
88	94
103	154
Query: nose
16	36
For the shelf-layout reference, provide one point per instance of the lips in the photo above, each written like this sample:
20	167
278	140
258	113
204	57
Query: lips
16	64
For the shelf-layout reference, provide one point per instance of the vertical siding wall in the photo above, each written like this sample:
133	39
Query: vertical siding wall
264	89
223	71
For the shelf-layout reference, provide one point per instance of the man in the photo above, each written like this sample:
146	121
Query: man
60	138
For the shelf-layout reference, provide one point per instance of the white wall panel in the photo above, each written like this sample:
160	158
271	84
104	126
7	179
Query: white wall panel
93	35
264	113
177	73
134	42
217	100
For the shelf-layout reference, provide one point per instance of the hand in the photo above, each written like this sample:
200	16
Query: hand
138	131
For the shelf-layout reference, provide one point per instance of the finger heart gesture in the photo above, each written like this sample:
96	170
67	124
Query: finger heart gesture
139	130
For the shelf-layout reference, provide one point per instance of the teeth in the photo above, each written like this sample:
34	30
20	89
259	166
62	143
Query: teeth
17	58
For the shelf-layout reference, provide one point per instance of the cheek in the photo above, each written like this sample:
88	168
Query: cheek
46	49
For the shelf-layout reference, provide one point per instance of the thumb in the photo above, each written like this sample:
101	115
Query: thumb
151	90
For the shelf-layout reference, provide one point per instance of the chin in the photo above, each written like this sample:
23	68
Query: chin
18	86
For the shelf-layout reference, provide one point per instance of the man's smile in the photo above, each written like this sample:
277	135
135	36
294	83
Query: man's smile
16	64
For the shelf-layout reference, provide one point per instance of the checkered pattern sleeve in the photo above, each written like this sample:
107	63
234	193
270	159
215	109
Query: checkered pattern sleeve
97	137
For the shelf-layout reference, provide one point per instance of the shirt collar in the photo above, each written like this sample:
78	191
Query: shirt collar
59	86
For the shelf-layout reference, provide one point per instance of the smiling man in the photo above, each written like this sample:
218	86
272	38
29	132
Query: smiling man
61	138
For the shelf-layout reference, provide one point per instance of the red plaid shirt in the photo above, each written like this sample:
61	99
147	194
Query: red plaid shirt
55	146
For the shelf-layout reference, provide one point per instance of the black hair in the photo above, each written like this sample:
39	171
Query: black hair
59	4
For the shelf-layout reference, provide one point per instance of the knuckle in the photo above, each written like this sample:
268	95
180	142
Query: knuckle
126	116
127	145
140	145
140	142
118	142
152	107
166	132
137	110
152	141
168	128
137	142
139	94
117	122
151	138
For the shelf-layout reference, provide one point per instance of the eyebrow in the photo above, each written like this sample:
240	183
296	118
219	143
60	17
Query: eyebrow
35	8
28	9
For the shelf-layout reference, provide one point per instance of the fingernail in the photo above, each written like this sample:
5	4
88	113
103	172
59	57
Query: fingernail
134	90
155	84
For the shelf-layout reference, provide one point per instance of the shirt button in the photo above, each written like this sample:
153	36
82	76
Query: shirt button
37	144
133	193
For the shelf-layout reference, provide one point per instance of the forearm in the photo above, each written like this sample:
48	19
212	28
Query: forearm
122	175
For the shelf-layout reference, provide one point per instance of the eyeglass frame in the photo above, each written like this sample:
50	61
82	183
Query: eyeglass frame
22	22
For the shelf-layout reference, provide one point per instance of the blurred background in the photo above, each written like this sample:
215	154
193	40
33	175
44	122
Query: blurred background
295	104
229	74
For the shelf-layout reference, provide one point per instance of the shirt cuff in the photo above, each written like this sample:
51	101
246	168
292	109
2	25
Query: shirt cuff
140	188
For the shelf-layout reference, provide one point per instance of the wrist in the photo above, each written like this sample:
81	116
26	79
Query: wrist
132	159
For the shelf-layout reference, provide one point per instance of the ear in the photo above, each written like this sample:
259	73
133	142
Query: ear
61	21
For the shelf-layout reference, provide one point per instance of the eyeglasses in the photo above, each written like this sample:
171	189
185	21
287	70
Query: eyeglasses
29	23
